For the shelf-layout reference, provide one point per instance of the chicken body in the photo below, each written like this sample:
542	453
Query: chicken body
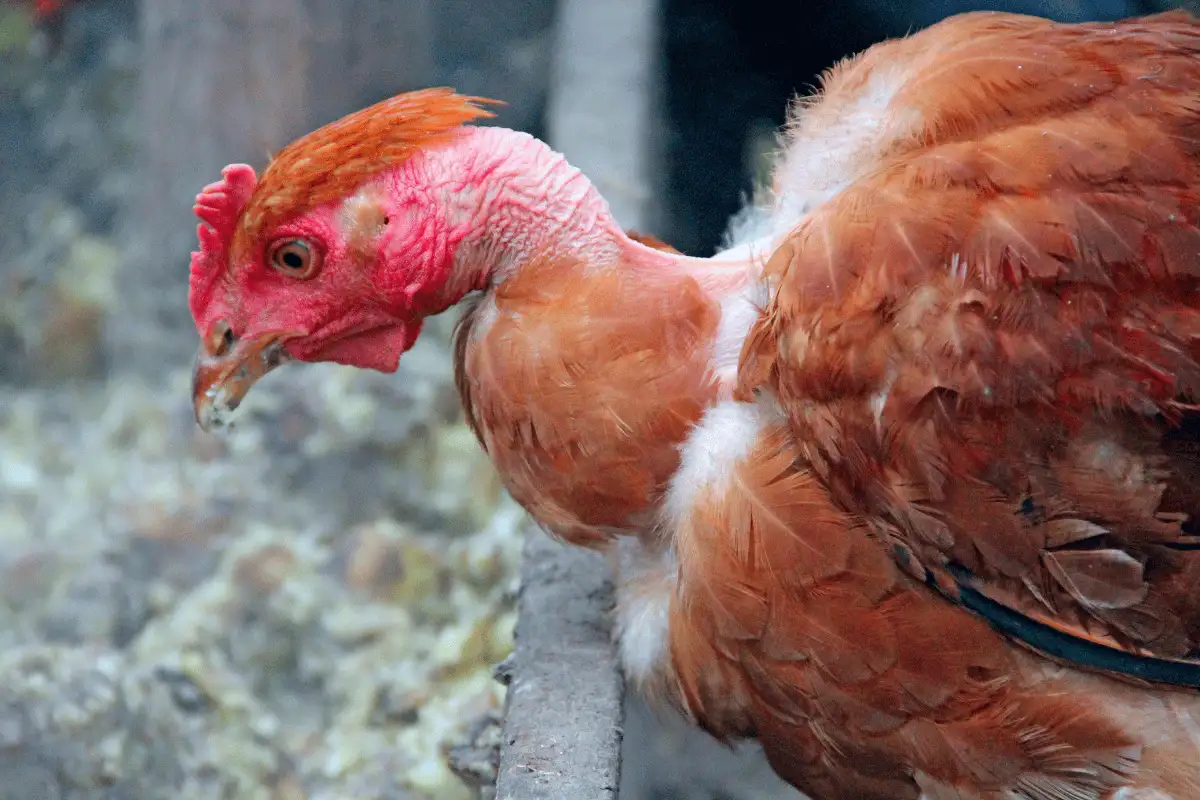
908	476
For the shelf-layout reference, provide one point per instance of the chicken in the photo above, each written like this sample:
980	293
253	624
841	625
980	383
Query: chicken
904	482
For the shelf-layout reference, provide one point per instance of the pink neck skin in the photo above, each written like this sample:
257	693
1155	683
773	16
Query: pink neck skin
505	198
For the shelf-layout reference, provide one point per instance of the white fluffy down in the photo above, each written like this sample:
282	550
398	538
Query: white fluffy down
648	578
723	437
645	586
821	155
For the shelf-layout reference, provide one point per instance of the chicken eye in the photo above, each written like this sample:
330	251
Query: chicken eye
294	257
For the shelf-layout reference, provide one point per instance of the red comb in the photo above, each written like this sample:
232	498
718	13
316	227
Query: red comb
218	206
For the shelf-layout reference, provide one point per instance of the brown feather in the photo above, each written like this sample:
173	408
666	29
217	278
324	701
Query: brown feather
985	347
1036	297
581	383
853	661
650	241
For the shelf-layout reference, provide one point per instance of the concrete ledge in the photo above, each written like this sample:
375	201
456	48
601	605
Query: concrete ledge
563	715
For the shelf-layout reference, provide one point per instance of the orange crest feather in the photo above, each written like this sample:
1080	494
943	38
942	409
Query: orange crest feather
334	160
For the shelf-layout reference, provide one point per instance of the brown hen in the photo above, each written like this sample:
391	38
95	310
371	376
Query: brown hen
906	480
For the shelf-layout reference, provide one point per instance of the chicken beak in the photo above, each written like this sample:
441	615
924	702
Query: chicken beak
221	379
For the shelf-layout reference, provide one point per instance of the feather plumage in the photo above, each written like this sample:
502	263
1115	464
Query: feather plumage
581	412
983	347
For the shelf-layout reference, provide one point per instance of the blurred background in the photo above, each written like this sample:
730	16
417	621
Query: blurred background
309	605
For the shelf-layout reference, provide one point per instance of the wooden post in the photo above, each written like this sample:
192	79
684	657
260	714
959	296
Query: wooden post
604	104
236	80
222	81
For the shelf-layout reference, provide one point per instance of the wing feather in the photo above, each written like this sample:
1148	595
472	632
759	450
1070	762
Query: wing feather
857	680
988	341
985	345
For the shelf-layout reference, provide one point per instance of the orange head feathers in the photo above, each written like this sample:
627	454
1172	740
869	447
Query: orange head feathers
332	161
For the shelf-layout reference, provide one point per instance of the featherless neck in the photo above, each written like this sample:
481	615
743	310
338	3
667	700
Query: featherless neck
510	199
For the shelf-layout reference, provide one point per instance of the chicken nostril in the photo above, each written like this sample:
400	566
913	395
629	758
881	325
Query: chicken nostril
220	338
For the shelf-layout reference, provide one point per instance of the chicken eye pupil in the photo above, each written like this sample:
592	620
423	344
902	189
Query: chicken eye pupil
296	258
292	256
